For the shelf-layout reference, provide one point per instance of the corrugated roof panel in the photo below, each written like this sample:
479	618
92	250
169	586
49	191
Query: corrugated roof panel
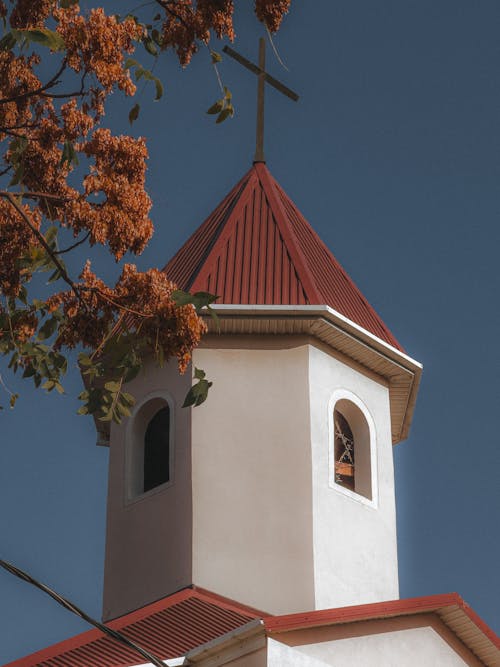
335	286
256	248
168	628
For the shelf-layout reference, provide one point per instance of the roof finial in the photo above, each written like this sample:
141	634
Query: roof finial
263	77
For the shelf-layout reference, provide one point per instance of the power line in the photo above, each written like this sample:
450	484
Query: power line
117	636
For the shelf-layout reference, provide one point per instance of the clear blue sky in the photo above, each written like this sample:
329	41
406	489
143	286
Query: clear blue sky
393	155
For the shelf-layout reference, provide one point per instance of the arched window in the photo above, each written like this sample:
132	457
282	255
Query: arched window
344	451
157	450
150	446
353	467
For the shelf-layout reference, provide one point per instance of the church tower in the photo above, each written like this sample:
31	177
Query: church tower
277	492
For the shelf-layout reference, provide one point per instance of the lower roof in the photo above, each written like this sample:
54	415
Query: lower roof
196	622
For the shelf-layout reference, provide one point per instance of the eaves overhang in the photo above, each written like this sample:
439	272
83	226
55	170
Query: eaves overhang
401	372
450	608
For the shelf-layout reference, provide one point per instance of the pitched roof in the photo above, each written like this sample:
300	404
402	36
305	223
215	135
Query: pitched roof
452	610
168	628
196	622
257	248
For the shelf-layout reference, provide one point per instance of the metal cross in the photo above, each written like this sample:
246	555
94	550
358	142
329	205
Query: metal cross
263	78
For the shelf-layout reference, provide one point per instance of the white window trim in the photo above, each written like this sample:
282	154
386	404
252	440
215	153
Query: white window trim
345	394
130	497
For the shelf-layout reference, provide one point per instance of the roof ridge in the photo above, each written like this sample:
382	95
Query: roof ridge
240	198
287	232
337	264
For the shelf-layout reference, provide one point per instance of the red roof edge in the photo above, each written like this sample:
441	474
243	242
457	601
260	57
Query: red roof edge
222	601
89	636
365	612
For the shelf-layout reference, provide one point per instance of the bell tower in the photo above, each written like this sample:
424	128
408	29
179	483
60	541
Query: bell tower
277	492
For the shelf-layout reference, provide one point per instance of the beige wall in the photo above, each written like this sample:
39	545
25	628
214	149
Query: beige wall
252	497
148	539
355	550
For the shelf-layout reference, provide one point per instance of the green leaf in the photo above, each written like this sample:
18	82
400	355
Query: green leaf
47	329
45	37
225	113
156	35
127	398
7	42
51	235
112	386
158	88
29	371
216	57
216	108
227	93
13	399
84	360
54	277
150	46
199	300
130	62
199	374
49	385
197	394
134	113
69	155
13	360
23	295
131	372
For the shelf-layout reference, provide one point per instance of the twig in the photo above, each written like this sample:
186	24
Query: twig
50	84
30	194
72	247
11	393
43	242
275	50
217	74
114	303
60	96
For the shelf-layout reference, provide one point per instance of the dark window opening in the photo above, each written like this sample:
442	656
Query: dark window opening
344	451
157	450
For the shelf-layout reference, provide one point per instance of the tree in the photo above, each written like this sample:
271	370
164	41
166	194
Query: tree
68	181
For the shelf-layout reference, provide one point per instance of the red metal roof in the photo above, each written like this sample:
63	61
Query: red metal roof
192	617
257	248
453	611
168	628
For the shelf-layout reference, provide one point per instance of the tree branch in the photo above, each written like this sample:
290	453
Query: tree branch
41	239
35	195
50	84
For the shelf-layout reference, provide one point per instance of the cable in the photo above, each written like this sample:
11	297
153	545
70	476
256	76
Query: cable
117	636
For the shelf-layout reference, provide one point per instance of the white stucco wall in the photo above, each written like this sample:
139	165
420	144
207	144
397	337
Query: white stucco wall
252	498
415	647
354	539
251	513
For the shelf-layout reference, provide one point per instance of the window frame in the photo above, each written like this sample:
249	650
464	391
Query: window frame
134	446
346	395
